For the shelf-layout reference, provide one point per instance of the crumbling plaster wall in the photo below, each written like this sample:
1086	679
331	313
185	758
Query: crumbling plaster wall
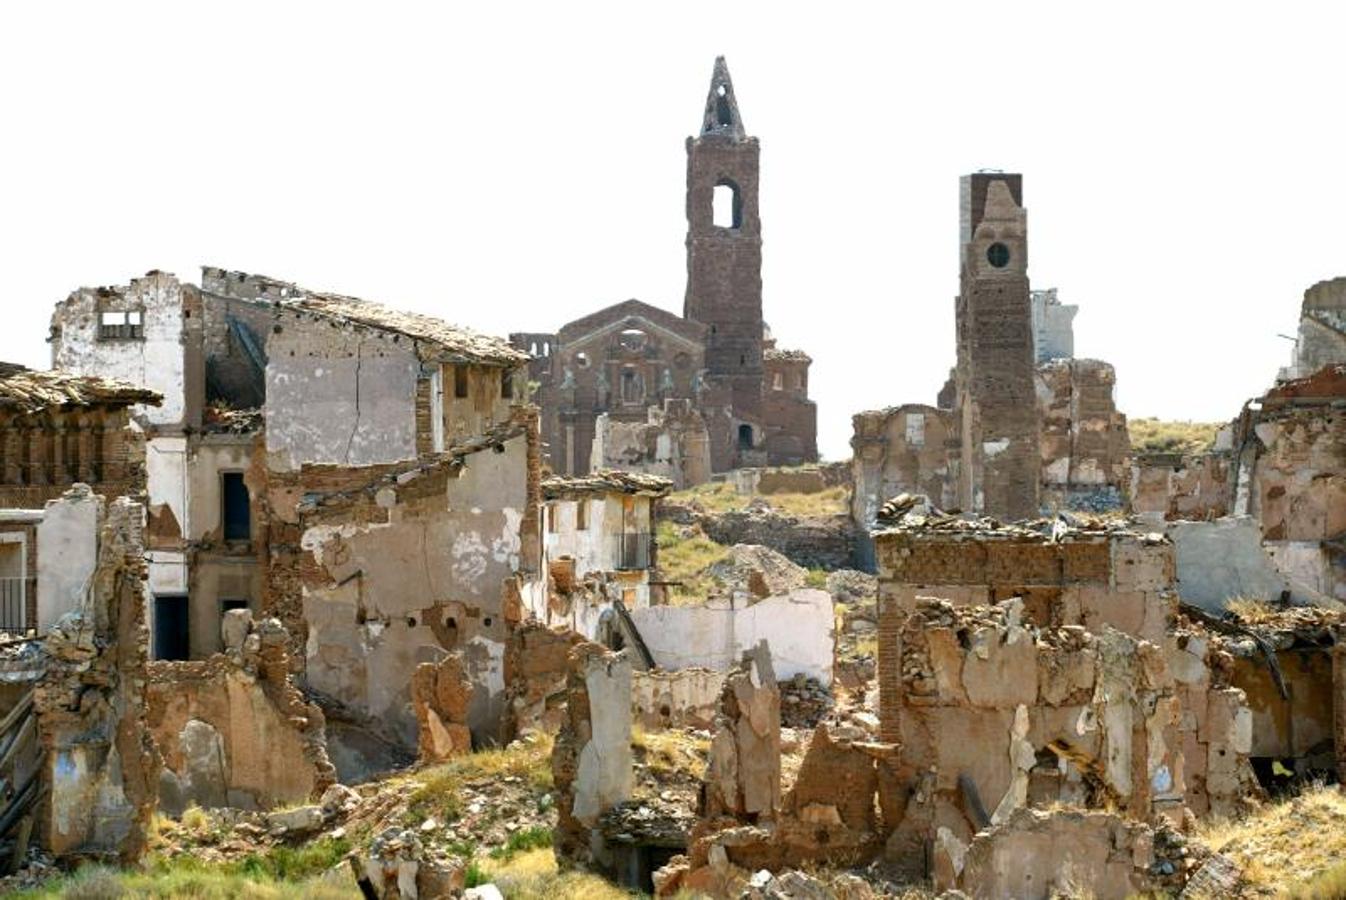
687	698
994	714
338	394
797	626
1225	559
101	768
232	729
412	573
157	360
672	442
67	553
591	759
595	548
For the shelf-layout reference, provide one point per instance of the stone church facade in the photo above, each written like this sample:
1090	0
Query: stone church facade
616	380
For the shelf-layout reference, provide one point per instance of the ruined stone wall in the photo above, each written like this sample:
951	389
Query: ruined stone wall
994	714
904	449
1036	855
1175	486
101	771
672	442
789	417
687	698
1124	580
536	669
233	730
591	759
1053	326
338	394
815	542
1084	444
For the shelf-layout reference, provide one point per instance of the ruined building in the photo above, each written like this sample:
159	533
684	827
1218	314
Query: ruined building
369	477
637	387
1021	425
58	430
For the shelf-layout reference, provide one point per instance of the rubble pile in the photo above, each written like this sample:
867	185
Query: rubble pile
804	702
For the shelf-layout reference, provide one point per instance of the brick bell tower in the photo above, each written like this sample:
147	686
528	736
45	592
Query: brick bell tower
724	270
996	400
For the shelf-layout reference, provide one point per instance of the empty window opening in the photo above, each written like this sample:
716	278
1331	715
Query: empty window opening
745	437
120	325
777	382
916	429
234	603
726	210
460	381
507	385
998	255
723	113
742	360
236	507
633	386
170	627
582	515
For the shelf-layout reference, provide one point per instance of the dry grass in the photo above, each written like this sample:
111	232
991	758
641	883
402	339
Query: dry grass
670	752
1251	611
440	786
720	497
1156	436
1288	846
533	875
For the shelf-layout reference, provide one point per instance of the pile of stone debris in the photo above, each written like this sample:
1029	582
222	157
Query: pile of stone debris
915	512
804	702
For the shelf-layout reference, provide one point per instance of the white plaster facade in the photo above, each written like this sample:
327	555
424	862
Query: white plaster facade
798	627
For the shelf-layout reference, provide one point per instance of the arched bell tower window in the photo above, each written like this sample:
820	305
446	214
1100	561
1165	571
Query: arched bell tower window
726	206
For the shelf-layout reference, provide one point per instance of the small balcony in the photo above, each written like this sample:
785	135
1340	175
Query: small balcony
632	550
13	605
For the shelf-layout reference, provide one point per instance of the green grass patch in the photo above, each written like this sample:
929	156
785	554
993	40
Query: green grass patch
531	838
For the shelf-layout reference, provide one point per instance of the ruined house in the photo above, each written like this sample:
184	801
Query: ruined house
58	430
601	376
598	547
369	477
1062	646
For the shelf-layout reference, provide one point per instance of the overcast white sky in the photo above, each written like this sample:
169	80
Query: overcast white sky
512	167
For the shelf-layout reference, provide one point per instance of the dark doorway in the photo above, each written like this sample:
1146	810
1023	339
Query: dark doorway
226	605
237	512
170	627
745	437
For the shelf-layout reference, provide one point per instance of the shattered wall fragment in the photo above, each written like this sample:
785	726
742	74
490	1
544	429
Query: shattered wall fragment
102	768
591	760
233	730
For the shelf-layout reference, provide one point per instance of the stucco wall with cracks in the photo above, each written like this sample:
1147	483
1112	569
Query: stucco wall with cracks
338	395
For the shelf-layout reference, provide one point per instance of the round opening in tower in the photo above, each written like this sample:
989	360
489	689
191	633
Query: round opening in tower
998	255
